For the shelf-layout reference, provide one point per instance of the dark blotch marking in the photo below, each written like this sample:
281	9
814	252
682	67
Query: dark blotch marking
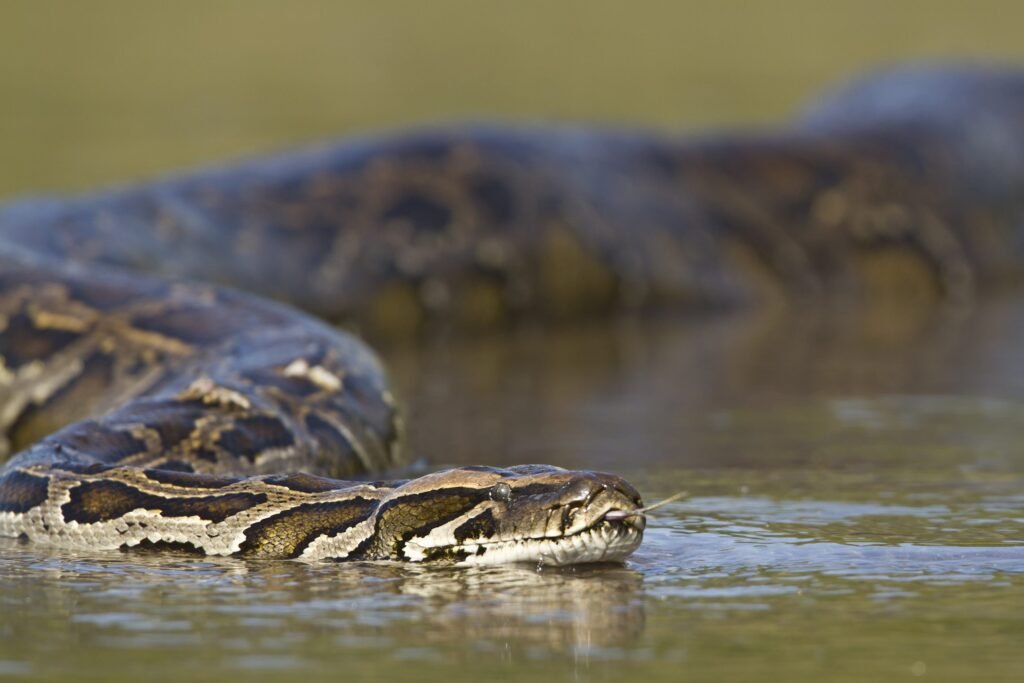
192	324
299	387
481	526
289	533
176	466
20	492
364	390
86	468
205	454
173	421
99	441
306	483
110	296
328	437
536	489
422	213
188	479
102	501
254	435
374	412
22	341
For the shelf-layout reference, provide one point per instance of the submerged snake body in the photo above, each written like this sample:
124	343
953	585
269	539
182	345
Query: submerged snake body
148	411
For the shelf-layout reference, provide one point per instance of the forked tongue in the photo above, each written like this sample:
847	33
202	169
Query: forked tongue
614	515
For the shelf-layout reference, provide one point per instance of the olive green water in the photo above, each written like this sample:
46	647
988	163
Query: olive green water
855	480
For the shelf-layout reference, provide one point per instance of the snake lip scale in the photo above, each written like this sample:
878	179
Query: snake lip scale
169	377
605	542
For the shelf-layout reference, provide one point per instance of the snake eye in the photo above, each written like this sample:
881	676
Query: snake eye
501	491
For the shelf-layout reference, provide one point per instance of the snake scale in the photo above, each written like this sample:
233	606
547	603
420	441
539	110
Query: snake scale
149	402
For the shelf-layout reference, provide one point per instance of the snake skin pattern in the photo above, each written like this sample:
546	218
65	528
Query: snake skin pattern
150	403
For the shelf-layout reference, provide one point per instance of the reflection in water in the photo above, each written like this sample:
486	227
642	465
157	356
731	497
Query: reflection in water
279	611
561	609
600	396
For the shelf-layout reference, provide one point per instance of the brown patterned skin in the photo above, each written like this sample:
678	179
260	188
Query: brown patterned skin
908	184
915	173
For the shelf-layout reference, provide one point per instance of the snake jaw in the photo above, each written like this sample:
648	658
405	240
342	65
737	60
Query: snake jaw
604	542
550	516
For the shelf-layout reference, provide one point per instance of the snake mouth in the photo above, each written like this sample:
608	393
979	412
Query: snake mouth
607	540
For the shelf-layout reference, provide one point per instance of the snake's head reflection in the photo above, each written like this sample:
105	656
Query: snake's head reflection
528	513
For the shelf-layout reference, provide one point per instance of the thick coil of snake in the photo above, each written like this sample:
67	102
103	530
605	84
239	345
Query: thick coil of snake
149	403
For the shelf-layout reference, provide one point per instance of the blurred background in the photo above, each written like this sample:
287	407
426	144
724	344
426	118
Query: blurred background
113	90
857	485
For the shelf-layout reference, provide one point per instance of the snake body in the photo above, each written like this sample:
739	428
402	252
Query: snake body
150	403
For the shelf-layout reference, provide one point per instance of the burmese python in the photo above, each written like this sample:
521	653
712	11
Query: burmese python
152	411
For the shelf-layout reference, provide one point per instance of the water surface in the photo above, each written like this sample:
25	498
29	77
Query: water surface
840	525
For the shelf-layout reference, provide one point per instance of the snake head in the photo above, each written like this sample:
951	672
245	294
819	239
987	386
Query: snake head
528	513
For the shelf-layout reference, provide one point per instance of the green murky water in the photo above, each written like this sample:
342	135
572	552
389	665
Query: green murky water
856	507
